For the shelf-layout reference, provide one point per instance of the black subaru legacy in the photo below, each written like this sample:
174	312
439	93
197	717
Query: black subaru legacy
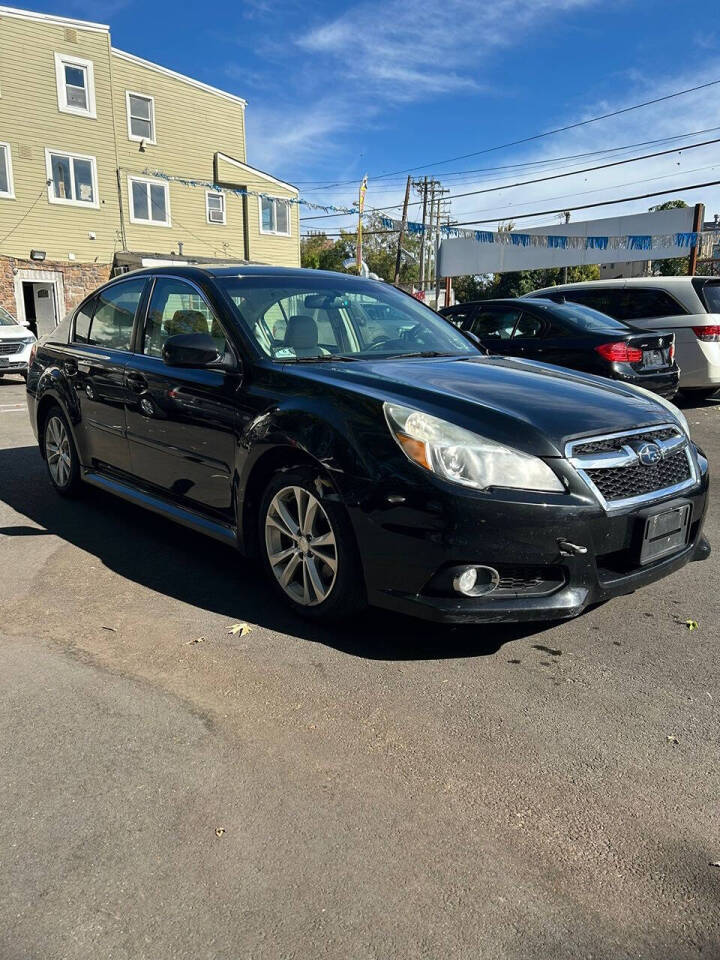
572	335
363	448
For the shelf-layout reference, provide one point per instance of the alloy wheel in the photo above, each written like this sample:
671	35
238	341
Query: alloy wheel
301	547
57	451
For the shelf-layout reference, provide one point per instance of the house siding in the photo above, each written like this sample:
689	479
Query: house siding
193	124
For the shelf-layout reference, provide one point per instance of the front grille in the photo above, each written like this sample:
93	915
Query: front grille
10	346
624	483
613	467
608	444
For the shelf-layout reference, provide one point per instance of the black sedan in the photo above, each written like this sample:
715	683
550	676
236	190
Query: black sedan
572	335
364	449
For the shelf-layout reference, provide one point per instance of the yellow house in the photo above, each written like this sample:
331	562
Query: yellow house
104	167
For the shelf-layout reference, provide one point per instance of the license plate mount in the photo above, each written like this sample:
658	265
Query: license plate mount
653	359
666	532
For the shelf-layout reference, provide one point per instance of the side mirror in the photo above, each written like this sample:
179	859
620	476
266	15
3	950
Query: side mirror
194	350
24	323
474	338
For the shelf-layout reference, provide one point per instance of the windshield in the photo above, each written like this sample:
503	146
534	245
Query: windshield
315	318
5	319
583	318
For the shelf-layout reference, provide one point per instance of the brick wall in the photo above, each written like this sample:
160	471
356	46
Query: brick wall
79	279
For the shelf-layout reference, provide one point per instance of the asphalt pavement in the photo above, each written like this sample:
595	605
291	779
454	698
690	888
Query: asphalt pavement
388	789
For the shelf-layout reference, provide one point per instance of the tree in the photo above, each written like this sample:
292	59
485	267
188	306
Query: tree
675	266
516	284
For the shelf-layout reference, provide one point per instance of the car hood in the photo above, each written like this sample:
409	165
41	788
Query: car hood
532	406
14	333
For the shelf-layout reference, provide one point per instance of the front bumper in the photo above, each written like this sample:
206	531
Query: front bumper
406	546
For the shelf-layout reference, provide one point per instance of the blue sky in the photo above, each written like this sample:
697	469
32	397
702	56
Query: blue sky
338	90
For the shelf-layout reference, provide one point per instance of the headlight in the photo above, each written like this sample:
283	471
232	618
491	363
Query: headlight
28	340
464	457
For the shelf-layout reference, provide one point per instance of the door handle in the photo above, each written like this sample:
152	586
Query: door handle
136	382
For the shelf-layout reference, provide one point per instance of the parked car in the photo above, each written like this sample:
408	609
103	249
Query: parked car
571	335
689	307
365	454
15	343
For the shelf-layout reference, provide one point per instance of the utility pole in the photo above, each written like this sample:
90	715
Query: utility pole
565	273
698	220
421	279
403	226
441	192
361	207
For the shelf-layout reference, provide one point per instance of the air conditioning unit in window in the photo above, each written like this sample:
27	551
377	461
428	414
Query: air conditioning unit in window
215	216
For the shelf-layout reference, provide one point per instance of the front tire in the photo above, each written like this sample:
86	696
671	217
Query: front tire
308	547
61	456
705	393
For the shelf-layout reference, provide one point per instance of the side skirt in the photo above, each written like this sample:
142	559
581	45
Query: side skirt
220	531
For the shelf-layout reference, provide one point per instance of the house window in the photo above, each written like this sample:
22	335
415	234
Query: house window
274	216
215	206
6	178
149	202
141	117
75	85
73	179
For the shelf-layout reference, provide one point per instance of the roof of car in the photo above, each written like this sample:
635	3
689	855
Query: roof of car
237	270
624	282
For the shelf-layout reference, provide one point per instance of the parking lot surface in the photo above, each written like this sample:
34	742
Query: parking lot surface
383	789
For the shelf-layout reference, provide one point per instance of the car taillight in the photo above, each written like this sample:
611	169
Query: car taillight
709	334
620	352
671	351
33	351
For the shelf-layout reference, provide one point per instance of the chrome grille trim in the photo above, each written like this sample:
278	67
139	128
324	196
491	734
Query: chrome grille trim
625	456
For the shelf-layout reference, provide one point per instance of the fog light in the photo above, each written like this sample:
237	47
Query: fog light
476	581
465	581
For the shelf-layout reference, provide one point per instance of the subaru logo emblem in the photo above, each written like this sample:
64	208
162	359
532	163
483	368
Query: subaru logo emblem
650	453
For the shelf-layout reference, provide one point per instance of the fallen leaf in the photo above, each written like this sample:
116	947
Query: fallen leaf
242	628
714	863
196	640
671	738
691	624
219	831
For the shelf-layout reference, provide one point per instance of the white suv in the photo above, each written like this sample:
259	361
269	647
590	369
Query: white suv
689	307
15	344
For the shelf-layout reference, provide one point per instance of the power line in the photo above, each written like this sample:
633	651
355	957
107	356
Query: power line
540	136
555	176
24	216
536	163
546	213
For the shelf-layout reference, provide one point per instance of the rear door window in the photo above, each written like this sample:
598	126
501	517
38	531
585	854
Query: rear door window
629	303
495	323
107	320
530	326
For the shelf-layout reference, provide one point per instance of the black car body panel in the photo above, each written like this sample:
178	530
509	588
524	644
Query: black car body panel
200	444
554	332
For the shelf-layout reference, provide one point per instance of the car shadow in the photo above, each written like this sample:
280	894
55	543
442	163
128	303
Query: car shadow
169	559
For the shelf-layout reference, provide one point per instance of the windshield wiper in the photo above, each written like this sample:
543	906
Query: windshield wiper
421	353
322	358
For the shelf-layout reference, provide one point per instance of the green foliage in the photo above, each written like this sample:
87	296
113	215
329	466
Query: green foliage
516	284
676	266
321	252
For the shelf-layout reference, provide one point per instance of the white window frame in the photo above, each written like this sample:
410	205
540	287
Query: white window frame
64	201
215	193
8	194
149	223
131	135
66	59
275	233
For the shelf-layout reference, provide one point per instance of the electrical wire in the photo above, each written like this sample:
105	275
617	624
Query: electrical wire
538	136
525	183
25	215
546	213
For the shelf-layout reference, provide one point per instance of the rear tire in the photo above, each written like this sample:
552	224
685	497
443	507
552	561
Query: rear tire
704	393
308	547
61	457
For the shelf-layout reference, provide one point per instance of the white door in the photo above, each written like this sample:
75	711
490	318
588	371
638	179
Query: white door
44	298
